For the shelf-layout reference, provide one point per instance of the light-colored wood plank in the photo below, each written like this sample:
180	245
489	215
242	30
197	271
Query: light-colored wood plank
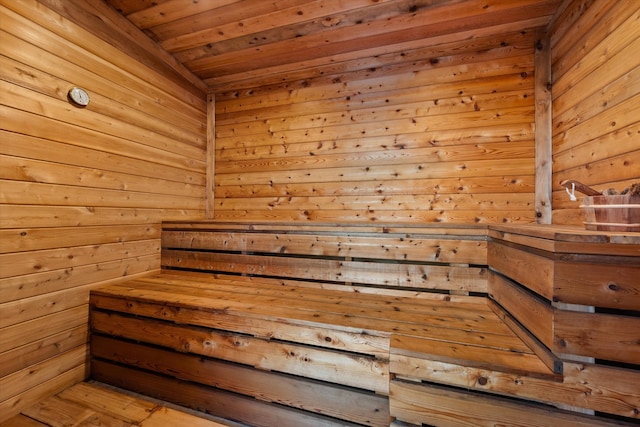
19	287
527	268
32	239
21	263
25	379
606	285
603	336
424	277
407	247
42	327
167	416
601	388
211	158
419	404
14	405
543	151
535	314
110	402
325	365
57	412
479	357
35	352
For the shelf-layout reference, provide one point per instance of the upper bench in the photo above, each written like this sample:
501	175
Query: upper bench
369	258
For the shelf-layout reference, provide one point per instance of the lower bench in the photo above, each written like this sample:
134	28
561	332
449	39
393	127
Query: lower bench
265	353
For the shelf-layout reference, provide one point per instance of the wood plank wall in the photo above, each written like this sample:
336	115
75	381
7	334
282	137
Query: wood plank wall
433	134
83	191
596	99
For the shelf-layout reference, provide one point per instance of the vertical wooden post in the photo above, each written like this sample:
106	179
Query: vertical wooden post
543	132
211	155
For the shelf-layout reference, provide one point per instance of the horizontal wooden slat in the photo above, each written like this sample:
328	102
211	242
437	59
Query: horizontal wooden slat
482	357
19	287
42	327
400	247
158	146
22	310
31	239
535	314
527	268
21	263
470	231
44	390
439	406
20	216
35	352
66	157
601	388
83	42
471	279
102	95
386	203
88	186
606	285
47	194
284	330
20	381
118	405
347	404
435	186
262	104
223	404
346	368
603	336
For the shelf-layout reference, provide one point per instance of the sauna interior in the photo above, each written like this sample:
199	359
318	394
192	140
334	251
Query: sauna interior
361	154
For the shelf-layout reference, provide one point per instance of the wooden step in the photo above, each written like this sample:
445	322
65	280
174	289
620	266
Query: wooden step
414	403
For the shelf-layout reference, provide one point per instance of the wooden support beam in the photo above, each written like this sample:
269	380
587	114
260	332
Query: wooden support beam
543	149
211	155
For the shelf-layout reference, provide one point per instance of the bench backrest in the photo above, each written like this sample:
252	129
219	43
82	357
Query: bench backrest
382	259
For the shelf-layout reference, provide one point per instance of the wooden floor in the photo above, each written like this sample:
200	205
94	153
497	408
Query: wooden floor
95	404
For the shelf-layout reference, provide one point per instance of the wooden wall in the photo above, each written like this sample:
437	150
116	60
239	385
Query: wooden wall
596	99
431	134
82	191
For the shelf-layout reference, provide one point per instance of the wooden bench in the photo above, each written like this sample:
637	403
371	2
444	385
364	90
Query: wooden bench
318	324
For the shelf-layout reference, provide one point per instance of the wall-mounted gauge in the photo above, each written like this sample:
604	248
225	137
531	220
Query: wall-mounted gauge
78	97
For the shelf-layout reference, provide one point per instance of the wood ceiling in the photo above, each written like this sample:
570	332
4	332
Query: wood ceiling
232	44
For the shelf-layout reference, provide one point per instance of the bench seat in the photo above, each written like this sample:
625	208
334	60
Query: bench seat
332	336
286	325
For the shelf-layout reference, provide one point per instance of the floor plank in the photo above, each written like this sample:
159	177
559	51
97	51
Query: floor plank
95	404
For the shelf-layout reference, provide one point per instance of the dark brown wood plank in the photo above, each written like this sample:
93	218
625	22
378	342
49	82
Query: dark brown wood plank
227	405
348	404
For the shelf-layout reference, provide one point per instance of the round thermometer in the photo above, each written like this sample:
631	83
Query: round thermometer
79	96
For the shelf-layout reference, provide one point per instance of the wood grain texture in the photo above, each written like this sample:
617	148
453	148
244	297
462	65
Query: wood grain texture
595	100
393	143
596	387
93	403
417	402
83	190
